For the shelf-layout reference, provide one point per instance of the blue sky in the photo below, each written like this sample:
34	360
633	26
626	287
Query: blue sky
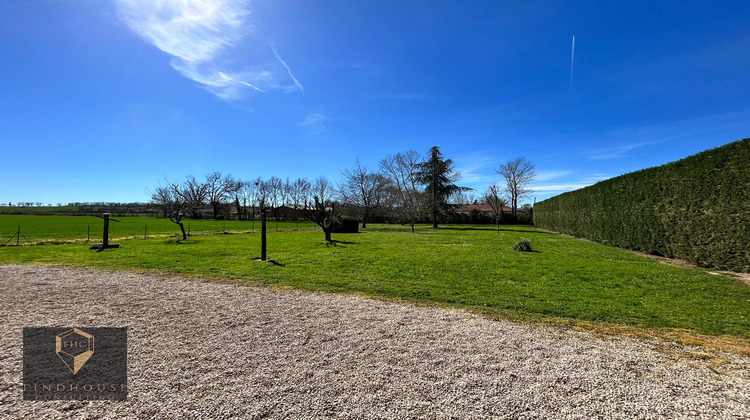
103	99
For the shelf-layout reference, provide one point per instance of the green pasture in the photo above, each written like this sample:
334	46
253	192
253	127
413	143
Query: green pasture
43	228
460	266
41	209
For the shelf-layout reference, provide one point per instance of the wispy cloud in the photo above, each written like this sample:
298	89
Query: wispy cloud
288	70
200	35
622	150
598	177
476	169
566	181
559	187
623	141
547	175
314	123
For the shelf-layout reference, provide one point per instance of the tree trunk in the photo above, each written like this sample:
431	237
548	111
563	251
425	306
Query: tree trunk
182	228
434	220
216	209
497	221
239	207
364	219
412	227
328	236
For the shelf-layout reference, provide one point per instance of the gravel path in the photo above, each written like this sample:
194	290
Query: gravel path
302	355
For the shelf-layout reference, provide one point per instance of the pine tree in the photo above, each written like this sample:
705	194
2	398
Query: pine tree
438	176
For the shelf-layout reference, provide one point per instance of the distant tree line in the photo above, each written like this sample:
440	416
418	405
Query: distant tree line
405	188
81	208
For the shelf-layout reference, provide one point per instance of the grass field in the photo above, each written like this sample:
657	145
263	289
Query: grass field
460	266
74	228
41	209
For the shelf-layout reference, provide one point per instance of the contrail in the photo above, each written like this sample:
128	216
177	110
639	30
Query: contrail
225	77
288	70
572	59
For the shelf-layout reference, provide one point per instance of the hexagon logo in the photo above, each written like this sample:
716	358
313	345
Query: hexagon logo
74	347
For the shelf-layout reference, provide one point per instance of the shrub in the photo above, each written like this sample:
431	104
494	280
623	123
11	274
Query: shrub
694	209
523	245
347	226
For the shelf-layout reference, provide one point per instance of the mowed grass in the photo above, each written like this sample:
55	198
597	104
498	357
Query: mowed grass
460	266
40	209
43	228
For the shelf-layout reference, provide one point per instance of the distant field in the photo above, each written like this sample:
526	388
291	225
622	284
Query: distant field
40	209
461	266
40	228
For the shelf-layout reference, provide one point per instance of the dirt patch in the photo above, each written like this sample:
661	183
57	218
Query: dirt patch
207	350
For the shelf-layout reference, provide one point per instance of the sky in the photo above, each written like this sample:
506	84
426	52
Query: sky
103	100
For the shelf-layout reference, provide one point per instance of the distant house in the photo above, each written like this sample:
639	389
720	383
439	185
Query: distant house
483	209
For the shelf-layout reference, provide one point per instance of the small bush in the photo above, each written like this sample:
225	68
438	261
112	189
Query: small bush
523	245
347	226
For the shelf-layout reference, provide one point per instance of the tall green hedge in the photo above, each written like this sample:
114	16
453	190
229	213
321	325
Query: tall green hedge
696	209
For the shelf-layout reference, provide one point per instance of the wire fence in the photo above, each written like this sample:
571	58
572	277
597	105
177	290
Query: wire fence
41	234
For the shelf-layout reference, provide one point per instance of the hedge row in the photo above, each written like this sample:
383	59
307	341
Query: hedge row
696	209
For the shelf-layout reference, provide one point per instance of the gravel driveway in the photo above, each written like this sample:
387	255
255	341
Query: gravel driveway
298	354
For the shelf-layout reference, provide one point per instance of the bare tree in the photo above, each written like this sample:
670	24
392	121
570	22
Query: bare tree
253	194
518	174
239	199
362	189
300	190
263	194
494	198
275	189
402	171
286	192
180	200
462	198
325	211
243	196
219	189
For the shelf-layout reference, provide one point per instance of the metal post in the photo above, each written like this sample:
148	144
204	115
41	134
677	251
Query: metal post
88	233
18	236
105	236
263	235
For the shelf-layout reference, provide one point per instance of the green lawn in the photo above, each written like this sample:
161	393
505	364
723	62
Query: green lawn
40	209
42	228
461	266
